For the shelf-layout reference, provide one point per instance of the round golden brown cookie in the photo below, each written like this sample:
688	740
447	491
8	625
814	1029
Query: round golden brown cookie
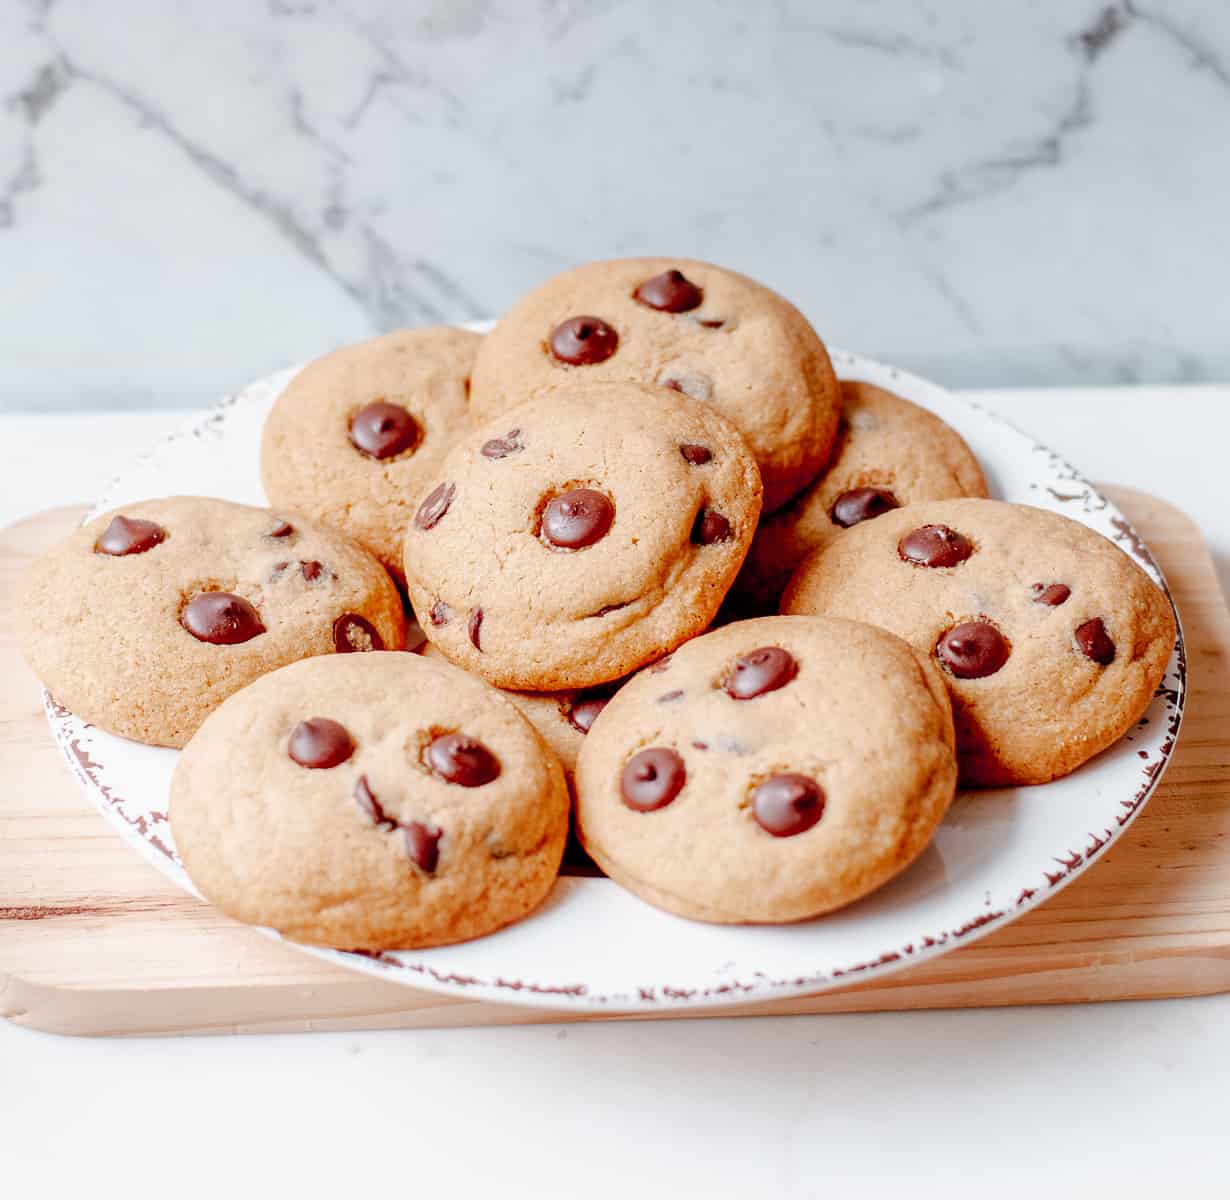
582	535
889	453
379	802
357	434
673	322
1051	640
144	620
770	771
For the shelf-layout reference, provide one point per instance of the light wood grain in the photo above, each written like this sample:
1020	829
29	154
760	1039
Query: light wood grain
94	940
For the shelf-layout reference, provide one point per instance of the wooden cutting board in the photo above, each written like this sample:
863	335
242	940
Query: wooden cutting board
93	940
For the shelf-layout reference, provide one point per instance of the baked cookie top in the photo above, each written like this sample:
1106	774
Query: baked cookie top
673	322
1051	640
769	771
378	802
357	434
145	619
582	535
889	453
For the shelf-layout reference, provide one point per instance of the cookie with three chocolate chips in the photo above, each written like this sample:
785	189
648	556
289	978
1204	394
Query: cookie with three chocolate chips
1052	641
770	771
582	535
144	620
382	803
712	334
356	435
889	453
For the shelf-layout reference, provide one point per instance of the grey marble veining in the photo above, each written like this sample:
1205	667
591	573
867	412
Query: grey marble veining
193	194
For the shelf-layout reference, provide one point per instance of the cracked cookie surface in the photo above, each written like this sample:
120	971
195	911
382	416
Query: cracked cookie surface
373	802
145	619
1051	640
582	535
769	771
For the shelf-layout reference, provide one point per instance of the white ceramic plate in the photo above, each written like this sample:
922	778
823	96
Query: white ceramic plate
595	947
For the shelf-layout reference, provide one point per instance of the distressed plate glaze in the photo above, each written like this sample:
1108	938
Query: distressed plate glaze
594	946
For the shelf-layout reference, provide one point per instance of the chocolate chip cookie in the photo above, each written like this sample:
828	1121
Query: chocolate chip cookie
144	620
379	802
576	538
357	434
769	771
675	323
1051	640
889	453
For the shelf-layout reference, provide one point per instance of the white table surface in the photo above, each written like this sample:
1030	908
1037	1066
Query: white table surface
1120	1097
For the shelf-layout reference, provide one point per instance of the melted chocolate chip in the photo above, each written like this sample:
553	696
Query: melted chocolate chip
788	804
577	518
352	632
221	618
973	650
862	504
1053	594
1094	642
320	742
383	430
934	546
312	571
671	696
583	711
502	447
689	383
695	454
760	671
282	529
584	341
474	628
435	506
652	779
671	292
440	613
422	845
129	535
462	760
711	527
371	808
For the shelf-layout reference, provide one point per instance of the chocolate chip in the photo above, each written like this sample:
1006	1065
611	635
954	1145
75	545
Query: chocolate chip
671	292
352	632
221	618
371	808
695	454
1053	594
711	324
129	535
462	760
711	527
583	341
652	779
583	711
973	650
435	506
383	430
671	696
934	546
760	671
312	571
320	742
440	613
577	518
474	627
422	845
861	504
788	804
282	529
502	447
1095	643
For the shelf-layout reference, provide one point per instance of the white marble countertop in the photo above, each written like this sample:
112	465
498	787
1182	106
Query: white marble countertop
991	195
1121	1099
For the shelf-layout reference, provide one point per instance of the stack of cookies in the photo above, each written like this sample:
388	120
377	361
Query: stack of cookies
581	525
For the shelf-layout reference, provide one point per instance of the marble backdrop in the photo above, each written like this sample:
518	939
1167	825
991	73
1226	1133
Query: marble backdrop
195	193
